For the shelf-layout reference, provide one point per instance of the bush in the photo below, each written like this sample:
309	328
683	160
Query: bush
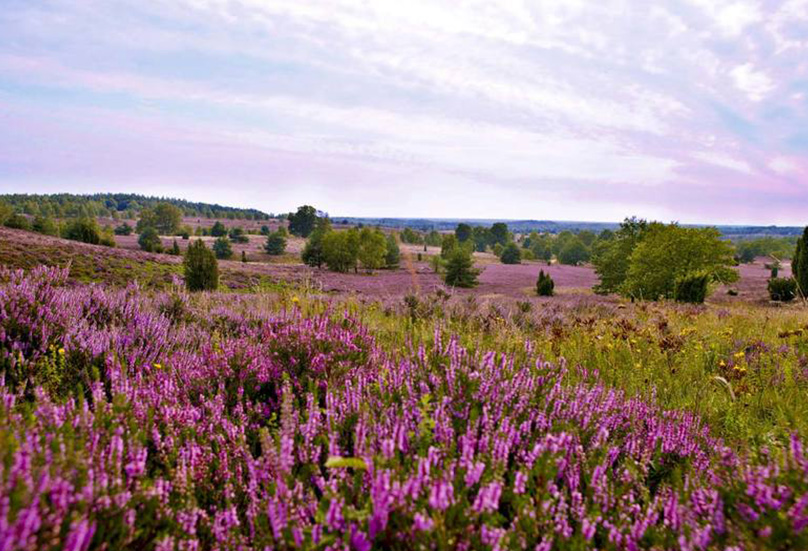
222	248
511	254
85	230
124	229
218	230
692	288
149	241
460	270
782	289
45	225
393	257
276	244
243	257
237	235
18	222
175	249
201	268
545	286
107	237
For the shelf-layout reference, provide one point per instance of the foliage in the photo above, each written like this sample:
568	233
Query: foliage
544	285
782	289
302	222
175	249
107	237
779	247
393	255
499	234
574	252
481	238
124	229
313	254
463	232
149	240
372	249
448	245
222	248
276	244
164	217
691	288
200	267
460	270
45	225
433	239
667	253
85	230
611	256
511	254
5	211
218	229
237	235
799	264
341	250
18	222
243	257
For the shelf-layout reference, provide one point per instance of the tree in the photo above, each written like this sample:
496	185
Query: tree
124	229
276	244
511	254
372	249
218	229
545	286
463	232
433	239
668	253
149	241
18	222
448	244
85	230
243	257
201	268
481	238
573	252
341	250
175	249
5	212
312	254
541	248
611	257
460	270
587	237
412	237
799	264
499	234
303	221
393	257
782	289
45	225
164	217
222	248
237	235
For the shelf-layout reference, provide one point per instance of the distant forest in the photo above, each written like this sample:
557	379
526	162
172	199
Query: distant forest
117	205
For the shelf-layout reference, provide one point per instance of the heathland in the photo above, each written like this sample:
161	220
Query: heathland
345	387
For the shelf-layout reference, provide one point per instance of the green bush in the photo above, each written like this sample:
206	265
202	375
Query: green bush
85	230
460	270
692	288
124	229
222	248
782	289
18	222
149	241
237	235
107	237
45	225
511	254
545	286
201	268
218	230
276	244
175	249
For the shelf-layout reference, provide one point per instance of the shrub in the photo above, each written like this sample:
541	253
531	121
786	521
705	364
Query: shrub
218	230
244	257
276	244
460	270
782	289
573	252
124	229
45	225
393	258
692	288
497	249
201	268
85	230
107	237
237	235
149	241
511	254
175	249
18	222
222	248
545	286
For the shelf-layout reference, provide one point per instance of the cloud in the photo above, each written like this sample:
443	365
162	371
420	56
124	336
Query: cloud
755	84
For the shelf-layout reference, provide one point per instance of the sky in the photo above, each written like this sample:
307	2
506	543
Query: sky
688	110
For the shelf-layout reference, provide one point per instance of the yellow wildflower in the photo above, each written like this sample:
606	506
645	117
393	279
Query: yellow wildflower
740	355
722	363
61	351
158	366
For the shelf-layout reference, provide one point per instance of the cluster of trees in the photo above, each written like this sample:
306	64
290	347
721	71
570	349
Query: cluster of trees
781	248
83	229
346	250
651	260
118	205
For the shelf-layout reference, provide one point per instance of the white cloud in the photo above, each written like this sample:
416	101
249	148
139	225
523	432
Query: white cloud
723	160
754	83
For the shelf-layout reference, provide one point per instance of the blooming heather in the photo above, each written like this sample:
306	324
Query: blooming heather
160	421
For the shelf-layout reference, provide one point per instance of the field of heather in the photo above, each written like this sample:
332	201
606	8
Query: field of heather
297	419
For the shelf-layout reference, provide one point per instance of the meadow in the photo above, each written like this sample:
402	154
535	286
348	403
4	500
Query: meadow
299	408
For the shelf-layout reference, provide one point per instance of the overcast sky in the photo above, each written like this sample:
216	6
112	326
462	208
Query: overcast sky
690	110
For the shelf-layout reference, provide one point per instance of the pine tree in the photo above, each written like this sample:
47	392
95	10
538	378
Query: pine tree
460	270
201	268
799	264
544	285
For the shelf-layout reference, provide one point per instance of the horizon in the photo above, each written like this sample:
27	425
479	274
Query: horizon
687	110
